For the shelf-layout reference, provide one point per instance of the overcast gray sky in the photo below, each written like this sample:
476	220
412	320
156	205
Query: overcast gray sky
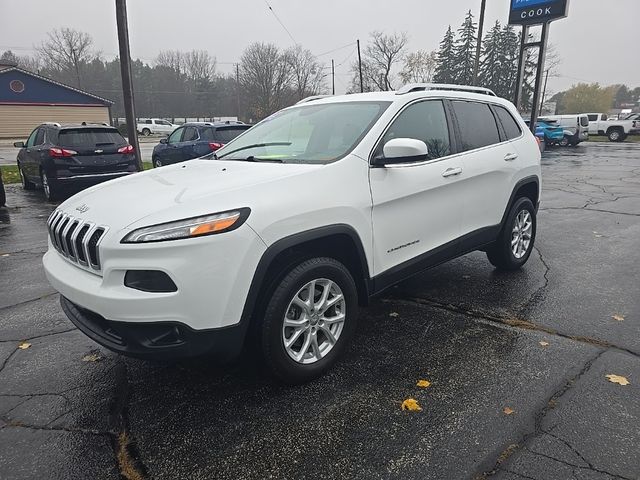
598	42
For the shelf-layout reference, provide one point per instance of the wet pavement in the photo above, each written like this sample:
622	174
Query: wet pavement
538	342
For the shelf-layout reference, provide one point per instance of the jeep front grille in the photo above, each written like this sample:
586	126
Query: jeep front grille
76	239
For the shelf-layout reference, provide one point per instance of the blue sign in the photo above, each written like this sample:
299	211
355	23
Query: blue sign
535	12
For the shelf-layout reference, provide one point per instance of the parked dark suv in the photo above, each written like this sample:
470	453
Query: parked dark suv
193	140
58	157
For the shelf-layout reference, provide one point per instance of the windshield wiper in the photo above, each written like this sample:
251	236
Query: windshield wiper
256	145
251	158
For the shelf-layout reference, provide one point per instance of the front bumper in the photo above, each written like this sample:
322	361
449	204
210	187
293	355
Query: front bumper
157	341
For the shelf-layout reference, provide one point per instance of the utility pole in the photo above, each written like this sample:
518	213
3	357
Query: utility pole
238	90
360	67
127	83
479	44
544	90
333	78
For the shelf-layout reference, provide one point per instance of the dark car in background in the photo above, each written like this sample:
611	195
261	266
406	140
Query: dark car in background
194	140
71	157
3	195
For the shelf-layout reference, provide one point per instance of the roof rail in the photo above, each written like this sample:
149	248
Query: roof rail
312	98
421	87
53	124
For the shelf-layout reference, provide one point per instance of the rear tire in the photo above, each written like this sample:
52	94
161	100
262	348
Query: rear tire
157	163
318	328
616	135
146	132
50	192
515	243
565	142
26	184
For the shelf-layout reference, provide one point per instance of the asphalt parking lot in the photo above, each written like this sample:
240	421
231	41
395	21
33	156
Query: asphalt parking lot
517	362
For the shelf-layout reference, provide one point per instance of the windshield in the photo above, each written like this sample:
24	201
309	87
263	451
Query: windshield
306	134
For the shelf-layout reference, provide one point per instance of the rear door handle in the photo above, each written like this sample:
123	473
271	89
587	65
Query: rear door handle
509	157
451	172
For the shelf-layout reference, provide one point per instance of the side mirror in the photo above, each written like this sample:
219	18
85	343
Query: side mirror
403	150
18	144
164	140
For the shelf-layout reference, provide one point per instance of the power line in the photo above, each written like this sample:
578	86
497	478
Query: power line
335	49
280	22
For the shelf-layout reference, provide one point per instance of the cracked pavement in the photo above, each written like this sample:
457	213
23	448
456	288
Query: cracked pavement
70	409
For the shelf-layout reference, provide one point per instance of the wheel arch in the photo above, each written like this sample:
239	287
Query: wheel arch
527	187
338	241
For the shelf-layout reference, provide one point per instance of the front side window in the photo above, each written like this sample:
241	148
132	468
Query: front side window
477	125
32	138
604	117
308	133
424	121
511	128
176	136
163	122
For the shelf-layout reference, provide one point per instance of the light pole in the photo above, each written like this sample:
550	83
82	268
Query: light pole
479	43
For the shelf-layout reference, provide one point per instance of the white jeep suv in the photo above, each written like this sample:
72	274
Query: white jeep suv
278	237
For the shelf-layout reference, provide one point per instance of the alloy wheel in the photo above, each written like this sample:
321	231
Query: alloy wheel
45	185
521	234
314	321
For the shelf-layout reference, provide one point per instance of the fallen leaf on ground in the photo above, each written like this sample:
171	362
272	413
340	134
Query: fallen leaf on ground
412	405
618	318
618	379
91	358
508	411
423	383
394	314
544	344
23	345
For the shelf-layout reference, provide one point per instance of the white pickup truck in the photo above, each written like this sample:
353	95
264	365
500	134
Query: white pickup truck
155	126
615	130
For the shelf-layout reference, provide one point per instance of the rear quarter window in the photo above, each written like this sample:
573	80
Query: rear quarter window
90	137
510	126
477	124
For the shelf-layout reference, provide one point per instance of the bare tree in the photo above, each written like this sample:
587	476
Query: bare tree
265	76
173	59
67	49
199	65
308	76
419	67
381	55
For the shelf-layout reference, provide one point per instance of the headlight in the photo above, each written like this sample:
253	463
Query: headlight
189	227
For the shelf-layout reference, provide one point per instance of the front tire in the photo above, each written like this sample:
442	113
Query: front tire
515	243
309	320
26	184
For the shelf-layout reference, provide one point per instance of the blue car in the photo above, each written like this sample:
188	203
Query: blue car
553	134
194	140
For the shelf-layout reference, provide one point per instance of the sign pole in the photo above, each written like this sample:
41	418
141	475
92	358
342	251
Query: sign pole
521	66
542	53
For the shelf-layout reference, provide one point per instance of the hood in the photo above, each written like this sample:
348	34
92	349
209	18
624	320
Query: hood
183	190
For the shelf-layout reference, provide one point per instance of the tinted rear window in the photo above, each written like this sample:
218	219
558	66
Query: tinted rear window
226	134
90	137
510	126
478	126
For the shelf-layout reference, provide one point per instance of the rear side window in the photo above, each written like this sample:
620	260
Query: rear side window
226	134
40	137
90	137
478	126
424	121
190	134
511	127
584	121
592	118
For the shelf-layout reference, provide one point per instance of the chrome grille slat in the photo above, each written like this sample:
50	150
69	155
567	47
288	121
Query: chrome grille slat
77	240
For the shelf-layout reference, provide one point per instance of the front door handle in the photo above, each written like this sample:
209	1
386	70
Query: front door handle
509	157
451	172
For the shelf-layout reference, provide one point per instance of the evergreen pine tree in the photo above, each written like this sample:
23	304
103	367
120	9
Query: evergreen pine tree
464	52
445	67
508	54
489	74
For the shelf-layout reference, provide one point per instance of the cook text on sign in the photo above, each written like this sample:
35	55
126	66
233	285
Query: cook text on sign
533	12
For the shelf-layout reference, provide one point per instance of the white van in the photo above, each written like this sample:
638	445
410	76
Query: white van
576	128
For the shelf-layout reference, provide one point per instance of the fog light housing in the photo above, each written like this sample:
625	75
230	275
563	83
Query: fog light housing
153	281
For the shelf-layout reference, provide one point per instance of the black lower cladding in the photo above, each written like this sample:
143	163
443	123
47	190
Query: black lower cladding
166	340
